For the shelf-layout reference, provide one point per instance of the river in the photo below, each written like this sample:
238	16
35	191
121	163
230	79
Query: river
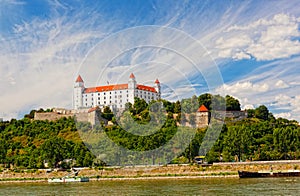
203	186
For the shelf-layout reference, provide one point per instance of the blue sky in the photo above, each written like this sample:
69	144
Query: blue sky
253	44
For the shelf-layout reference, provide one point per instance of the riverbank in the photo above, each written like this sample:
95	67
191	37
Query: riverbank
150	172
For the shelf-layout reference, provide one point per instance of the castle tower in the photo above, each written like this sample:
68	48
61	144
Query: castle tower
77	93
131	88
157	88
202	116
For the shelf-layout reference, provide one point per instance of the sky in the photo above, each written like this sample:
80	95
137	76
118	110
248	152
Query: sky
247	49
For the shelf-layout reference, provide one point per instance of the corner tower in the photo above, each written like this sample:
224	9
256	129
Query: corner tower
131	88
78	92
157	88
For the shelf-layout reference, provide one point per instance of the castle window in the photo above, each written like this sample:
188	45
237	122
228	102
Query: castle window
98	98
104	102
98	102
99	94
110	93
104	93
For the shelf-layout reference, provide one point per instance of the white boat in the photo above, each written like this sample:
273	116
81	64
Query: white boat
69	179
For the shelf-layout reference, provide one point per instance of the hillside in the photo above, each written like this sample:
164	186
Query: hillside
28	143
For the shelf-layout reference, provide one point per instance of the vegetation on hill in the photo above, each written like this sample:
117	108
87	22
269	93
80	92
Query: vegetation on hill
28	143
31	143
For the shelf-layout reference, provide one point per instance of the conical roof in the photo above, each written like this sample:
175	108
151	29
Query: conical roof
131	76
202	108
79	79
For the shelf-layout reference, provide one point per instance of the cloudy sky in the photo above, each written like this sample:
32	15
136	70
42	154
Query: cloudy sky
247	49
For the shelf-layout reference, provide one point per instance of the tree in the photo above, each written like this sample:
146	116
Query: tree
107	113
205	99
261	112
177	107
232	104
139	105
218	103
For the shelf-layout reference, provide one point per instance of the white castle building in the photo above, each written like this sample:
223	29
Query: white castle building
114	96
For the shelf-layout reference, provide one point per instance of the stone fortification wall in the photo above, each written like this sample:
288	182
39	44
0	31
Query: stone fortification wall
51	116
82	115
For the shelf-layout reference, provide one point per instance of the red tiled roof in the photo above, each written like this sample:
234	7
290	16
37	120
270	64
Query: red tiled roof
131	76
145	88
202	109
106	88
117	87
156	81
79	79
93	109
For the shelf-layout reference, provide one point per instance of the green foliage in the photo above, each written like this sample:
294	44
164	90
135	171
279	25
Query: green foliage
261	112
217	102
232	104
29	143
107	113
26	143
205	99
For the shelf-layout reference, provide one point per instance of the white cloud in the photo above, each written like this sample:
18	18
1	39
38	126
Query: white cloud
286	115
270	93
281	84
50	51
39	64
264	39
243	87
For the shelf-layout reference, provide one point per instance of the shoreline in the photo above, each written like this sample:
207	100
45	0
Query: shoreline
120	178
218	170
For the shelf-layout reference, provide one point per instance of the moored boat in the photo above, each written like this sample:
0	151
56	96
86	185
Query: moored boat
69	179
268	174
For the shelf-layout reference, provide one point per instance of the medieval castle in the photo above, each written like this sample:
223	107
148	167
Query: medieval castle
89	102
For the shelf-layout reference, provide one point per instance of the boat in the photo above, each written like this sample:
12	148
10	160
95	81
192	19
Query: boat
268	174
69	179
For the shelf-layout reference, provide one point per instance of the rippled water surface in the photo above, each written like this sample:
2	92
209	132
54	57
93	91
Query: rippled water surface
209	186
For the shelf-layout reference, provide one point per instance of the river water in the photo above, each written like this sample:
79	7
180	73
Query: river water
203	186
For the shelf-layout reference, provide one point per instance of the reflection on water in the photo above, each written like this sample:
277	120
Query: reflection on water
208	186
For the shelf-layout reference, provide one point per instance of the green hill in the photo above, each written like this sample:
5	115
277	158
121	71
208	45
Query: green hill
28	143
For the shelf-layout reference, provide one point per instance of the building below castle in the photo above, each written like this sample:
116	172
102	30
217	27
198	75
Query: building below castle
115	96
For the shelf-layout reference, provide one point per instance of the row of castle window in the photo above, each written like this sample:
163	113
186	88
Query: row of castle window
105	102
120	96
92	94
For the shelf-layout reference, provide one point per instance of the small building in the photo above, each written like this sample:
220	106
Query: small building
202	117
